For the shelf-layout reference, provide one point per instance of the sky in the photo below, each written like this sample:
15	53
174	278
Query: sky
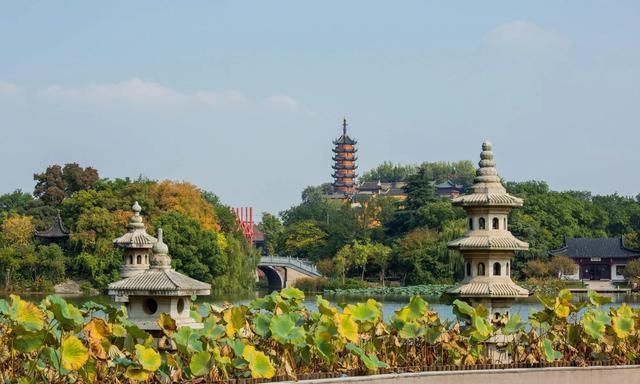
243	98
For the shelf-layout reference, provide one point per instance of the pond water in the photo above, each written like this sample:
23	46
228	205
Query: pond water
389	304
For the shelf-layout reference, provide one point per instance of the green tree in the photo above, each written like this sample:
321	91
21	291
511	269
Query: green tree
273	229
304	239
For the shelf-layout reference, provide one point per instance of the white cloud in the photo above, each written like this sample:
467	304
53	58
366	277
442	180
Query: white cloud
521	35
137	92
284	103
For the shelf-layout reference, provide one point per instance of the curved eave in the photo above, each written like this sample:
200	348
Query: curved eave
487	200
504	243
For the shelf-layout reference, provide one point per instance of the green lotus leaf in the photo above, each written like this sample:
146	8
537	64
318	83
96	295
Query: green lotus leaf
410	331
372	362
624	311
365	312
212	330
592	326
91	306
26	314
30	341
118	330
481	328
236	345
148	358
347	328
292	293
187	340
284	330
67	314
417	308
200	363
73	353
462	310
325	307
4	307
324	346
261	323
549	353
548	302
259	363
53	357
514	325
597	299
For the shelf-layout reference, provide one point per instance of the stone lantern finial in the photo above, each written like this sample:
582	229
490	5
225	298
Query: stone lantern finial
160	258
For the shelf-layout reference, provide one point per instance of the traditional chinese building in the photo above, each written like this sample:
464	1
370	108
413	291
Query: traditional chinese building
487	246
344	167
157	288
56	233
597	259
449	189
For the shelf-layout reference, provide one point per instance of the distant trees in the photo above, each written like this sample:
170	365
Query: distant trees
57	182
272	228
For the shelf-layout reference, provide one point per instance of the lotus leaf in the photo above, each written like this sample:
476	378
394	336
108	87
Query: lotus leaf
259	363
73	353
200	363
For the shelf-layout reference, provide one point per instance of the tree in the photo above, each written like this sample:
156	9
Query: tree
421	257
272	229
304	239
562	266
343	260
632	270
57	182
536	268
379	256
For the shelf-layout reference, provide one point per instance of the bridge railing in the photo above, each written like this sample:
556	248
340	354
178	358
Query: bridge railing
294	261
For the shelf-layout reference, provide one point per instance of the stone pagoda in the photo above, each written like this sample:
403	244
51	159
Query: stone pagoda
159	289
136	243
487	246
344	168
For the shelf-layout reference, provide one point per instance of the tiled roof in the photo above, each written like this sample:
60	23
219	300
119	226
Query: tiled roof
502	241
488	200
159	282
603	248
56	231
490	289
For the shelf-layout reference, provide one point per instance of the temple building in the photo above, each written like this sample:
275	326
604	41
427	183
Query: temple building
344	167
487	246
136	243
157	288
57	233
597	259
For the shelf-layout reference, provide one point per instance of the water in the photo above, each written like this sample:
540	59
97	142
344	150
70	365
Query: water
522	307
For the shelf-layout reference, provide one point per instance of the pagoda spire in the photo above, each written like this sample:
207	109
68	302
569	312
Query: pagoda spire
344	174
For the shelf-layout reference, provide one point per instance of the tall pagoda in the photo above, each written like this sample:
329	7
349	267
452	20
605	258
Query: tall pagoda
344	173
56	233
487	246
136	243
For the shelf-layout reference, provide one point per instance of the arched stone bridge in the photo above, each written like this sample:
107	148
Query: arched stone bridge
282	272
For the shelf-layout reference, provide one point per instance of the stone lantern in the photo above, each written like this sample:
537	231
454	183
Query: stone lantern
487	246
136	243
159	289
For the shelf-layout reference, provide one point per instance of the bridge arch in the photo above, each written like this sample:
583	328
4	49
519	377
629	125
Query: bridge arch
274	279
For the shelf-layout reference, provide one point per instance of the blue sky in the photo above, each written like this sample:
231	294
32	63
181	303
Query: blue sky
243	98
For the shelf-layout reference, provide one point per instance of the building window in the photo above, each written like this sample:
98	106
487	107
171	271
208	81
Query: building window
505	224
471	223
481	223
150	306
130	259
480	269
619	270
496	269
468	269
180	306
138	259
507	269
496	223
